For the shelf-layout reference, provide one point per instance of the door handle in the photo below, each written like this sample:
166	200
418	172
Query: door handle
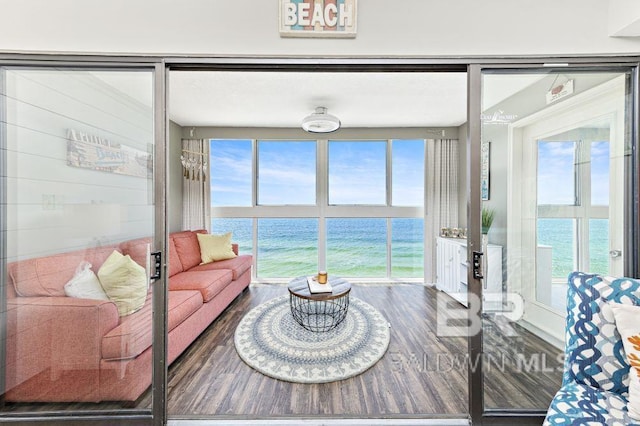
156	265
478	272
615	253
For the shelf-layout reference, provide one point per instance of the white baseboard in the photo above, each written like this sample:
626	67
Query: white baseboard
323	422
542	334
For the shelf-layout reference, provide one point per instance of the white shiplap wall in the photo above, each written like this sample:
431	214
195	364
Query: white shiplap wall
43	192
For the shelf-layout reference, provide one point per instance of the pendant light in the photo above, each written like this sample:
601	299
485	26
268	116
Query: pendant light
321	122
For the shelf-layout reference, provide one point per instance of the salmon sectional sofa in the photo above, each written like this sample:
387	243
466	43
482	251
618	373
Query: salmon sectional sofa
64	349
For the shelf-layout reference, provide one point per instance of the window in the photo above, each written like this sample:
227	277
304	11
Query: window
231	172
573	217
357	247
408	172
560	235
287	247
556	163
357	172
599	246
407	247
359	213
286	173
600	173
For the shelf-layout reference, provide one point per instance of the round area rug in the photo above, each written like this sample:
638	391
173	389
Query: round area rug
269	340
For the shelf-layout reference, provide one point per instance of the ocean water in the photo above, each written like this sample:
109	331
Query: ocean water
561	236
355	247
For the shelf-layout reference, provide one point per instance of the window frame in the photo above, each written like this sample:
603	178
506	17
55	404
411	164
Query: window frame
582	211
322	210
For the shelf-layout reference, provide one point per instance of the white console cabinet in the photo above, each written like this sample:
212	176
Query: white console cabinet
451	272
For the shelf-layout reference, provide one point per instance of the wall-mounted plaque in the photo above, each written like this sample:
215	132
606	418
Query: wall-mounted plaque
318	18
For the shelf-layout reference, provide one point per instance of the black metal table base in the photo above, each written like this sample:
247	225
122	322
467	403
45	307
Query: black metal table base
319	315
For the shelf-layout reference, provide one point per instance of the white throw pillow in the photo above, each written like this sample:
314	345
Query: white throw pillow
85	284
628	325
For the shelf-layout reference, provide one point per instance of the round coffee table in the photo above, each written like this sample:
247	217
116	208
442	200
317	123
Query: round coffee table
319	311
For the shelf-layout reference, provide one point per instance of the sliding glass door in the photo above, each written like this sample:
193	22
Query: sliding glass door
554	155
552	189
82	211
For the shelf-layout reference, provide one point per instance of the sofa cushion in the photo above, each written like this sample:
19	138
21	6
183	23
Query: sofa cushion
137	249
134	333
579	404
209	283
215	247
628	325
175	266
594	354
238	265
124	281
46	276
187	248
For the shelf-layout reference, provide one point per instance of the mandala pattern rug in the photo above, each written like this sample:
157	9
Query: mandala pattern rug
269	340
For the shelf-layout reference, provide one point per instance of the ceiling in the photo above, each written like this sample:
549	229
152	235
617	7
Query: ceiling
283	99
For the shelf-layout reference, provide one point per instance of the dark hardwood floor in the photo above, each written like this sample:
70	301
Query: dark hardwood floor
421	373
397	384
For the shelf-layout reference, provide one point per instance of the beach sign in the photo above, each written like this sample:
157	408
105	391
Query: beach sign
318	18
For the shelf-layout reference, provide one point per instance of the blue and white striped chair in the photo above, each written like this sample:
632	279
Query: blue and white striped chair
595	383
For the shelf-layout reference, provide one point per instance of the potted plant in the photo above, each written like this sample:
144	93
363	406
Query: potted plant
487	219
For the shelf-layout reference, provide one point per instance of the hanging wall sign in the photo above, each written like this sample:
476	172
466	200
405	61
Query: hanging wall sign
560	91
97	153
318	18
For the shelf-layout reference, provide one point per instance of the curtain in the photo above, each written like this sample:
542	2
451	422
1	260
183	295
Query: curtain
195	190
441	196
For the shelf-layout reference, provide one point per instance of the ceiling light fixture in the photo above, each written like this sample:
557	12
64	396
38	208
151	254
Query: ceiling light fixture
321	122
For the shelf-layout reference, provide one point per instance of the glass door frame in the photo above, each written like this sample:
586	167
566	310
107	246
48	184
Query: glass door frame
478	412
157	414
474	68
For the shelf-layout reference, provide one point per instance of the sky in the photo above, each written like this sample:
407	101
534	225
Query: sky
357	173
556	172
287	172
